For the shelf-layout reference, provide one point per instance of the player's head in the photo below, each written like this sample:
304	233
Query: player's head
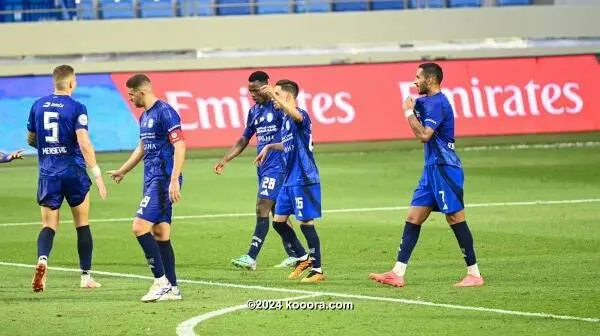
139	89
286	89
429	76
255	81
63	77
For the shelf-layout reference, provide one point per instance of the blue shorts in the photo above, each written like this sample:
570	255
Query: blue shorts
156	207
52	190
269	184
440	187
304	202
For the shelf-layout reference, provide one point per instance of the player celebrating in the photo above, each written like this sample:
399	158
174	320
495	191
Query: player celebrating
441	187
264	121
58	128
163	149
301	192
18	154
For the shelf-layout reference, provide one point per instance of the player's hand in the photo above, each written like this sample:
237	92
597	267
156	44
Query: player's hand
116	175
174	190
268	90
18	154
408	104
101	187
261	156
219	167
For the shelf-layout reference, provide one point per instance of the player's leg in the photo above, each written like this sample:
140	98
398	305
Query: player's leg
421	206
76	191
292	256
448	182
149	213
248	261
162	234
50	199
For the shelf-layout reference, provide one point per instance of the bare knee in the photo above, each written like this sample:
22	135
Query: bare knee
140	227
418	214
162	232
455	218
263	207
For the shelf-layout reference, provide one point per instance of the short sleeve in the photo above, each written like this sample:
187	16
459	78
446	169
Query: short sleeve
250	130
31	120
171	120
82	117
305	119
433	114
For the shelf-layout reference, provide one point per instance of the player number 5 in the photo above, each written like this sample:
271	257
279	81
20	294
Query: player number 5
51	124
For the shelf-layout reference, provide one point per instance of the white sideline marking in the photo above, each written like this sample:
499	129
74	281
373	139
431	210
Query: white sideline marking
347	210
186	328
333	294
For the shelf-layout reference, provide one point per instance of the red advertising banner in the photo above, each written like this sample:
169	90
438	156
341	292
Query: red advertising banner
364	101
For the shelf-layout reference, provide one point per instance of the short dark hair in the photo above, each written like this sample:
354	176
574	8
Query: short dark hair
289	86
60	74
433	69
260	76
138	80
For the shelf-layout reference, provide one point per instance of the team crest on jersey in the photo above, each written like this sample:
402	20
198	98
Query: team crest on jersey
269	117
150	123
255	122
287	125
83	120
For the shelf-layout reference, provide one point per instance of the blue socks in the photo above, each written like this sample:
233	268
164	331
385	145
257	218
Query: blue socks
44	242
465	242
152	253
258	239
85	245
289	237
409	241
314	245
168	259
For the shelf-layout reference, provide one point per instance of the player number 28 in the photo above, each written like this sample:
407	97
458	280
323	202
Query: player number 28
268	183
51	124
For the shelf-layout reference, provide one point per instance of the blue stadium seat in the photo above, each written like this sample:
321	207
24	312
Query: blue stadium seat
85	10
53	13
197	7
234	7
513	2
350	5
387	4
157	8
303	6
427	3
464	3
273	6
117	9
12	5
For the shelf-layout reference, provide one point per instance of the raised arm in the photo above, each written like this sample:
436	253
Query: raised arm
423	133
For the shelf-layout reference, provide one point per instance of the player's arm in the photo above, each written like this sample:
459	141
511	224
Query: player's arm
18	154
31	136
237	149
178	160
263	153
287	107
89	155
421	132
134	159
32	139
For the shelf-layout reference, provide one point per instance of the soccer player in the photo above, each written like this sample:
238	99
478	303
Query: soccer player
440	188
162	147
18	154
301	192
58	128
264	121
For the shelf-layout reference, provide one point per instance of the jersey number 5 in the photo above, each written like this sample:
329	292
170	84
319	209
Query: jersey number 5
51	124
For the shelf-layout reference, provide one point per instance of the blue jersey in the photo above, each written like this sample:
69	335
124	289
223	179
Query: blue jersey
54	119
265	121
300	166
156	124
436	112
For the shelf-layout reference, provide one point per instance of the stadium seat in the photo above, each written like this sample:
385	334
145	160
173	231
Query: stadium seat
304	6
464	3
427	3
84	10
233	7
387	4
350	5
12	5
117	9
197	7
513	2
52	12
157	8
273	6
